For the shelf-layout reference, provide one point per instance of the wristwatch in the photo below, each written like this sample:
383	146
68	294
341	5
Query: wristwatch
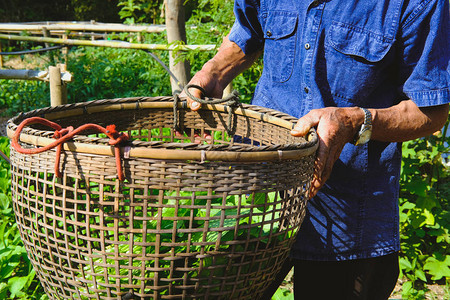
365	131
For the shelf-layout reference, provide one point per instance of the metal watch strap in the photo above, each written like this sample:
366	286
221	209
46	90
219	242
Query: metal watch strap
367	117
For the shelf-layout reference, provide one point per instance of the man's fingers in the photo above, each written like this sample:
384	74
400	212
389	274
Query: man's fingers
194	105
305	123
326	157
319	165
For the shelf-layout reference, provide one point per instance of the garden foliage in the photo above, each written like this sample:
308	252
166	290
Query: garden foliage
424	213
17	277
115	73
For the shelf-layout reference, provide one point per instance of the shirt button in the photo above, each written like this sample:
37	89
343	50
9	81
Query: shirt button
269	33
307	46
306	89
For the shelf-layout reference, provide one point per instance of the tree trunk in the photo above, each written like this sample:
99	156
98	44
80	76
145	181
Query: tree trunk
176	31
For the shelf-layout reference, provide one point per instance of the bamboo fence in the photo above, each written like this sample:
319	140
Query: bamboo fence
48	31
63	27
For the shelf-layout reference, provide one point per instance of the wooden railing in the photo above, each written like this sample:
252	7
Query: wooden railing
91	34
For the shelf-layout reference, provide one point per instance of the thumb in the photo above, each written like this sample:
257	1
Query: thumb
305	123
194	105
194	92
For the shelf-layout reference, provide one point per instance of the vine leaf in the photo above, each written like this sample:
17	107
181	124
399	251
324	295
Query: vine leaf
436	268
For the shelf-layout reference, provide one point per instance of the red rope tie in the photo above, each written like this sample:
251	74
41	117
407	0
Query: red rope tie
58	135
62	135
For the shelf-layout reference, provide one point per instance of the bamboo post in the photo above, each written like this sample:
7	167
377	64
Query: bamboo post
63	69
92	36
83	26
56	86
65	50
33	75
46	34
24	74
228	89
110	44
176	31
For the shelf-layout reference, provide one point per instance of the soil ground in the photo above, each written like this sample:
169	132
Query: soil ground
435	291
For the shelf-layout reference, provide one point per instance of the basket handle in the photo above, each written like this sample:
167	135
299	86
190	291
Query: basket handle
62	135
231	100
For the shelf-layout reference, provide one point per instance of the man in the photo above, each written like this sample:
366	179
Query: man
323	62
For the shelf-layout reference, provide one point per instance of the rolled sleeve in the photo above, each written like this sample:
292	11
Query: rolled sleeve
425	66
246	31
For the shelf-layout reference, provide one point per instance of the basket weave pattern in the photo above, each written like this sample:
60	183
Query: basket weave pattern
217	227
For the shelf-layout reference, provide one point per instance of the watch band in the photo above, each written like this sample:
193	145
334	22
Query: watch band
367	117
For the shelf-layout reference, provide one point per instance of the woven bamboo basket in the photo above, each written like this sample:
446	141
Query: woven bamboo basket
195	216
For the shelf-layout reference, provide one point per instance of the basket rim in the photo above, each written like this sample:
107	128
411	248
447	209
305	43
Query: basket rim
170	151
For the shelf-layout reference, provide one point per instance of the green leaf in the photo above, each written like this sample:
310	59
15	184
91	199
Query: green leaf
212	236
283	294
7	270
407	206
429	202
436	268
420	232
5	201
3	290
429	218
418	187
405	264
421	217
445	237
16	284
421	275
407	287
31	277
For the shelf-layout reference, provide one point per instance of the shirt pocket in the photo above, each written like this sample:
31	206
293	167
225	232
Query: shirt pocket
280	32
356	63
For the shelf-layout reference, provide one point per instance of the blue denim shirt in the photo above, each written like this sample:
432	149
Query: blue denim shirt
370	53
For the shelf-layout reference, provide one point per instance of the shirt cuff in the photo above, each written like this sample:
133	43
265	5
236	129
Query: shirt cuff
429	98
243	38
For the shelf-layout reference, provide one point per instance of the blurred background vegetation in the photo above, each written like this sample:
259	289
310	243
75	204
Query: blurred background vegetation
115	73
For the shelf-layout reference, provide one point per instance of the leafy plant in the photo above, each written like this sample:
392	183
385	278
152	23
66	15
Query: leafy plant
265	208
17	277
424	213
141	11
101	73
21	95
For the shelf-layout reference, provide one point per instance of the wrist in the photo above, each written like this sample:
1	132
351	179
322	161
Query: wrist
215	72
355	118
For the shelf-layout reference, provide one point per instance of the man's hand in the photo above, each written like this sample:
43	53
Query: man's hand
218	72
206	80
335	127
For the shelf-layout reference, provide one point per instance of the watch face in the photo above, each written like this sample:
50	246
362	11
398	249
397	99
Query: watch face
364	137
366	129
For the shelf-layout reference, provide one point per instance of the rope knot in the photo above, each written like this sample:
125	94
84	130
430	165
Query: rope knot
115	136
62	135
62	132
232	100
